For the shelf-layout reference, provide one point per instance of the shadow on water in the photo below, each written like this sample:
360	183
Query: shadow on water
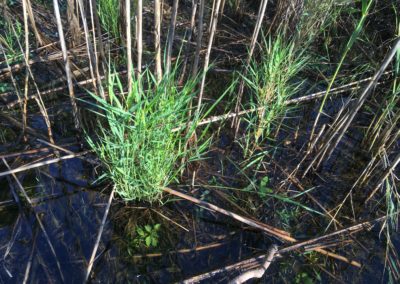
71	212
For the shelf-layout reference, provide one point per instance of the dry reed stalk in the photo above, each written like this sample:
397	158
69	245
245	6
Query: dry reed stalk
222	8
257	272
180	251
199	39
100	233
257	28
280	234
38	35
96	28
38	98
389	170
171	35
189	39
26	55
73	22
212	17
41	164
157	38
139	37
129	44
96	58
89	47
213	27
35	151
274	232
348	112
75	112
367	225
388	139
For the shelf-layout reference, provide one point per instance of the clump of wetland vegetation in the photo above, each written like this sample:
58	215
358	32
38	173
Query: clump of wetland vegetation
199	141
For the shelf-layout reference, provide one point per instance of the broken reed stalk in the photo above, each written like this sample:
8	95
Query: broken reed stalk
26	55
352	111
171	35
255	261
367	225
349	110
274	232
257	28
280	234
353	38
189	39
129	44
33	22
96	59
213	28
384	176
73	23
257	272
67	67
98	51
251	262
139	39
37	98
41	164
222	8
199	39
89	47
100	233
157	39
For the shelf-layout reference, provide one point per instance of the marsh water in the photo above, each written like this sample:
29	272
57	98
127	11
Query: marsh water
192	241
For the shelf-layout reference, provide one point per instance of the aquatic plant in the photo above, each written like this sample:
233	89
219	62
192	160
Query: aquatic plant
272	81
143	142
147	236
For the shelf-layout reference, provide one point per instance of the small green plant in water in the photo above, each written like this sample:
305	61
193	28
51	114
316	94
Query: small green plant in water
147	236
303	278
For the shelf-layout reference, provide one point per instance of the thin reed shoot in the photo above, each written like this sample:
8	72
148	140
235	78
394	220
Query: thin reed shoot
272	80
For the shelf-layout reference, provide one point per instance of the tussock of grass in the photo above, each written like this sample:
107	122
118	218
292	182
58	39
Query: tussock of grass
272	81
139	148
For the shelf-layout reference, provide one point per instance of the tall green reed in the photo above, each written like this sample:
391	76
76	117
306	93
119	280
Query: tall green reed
109	15
365	7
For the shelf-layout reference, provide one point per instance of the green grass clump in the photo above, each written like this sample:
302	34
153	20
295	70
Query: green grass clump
109	14
272	81
10	33
140	147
